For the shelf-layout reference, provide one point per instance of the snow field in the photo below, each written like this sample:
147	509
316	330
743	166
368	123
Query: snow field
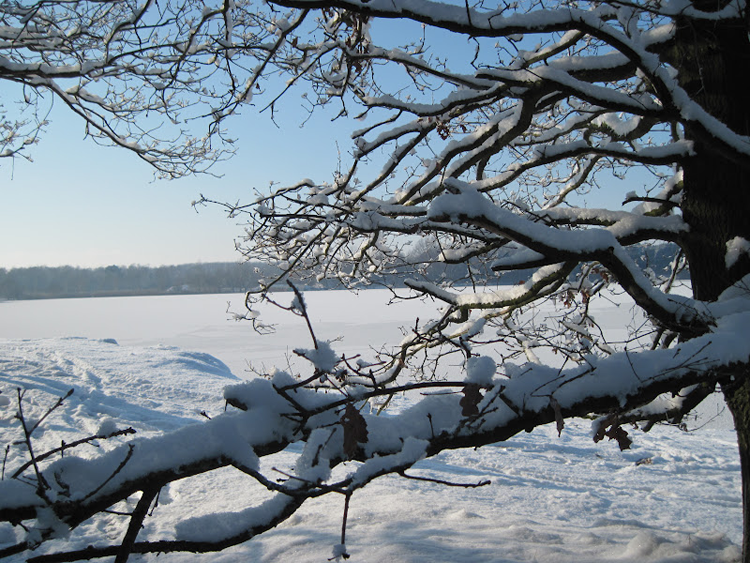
675	497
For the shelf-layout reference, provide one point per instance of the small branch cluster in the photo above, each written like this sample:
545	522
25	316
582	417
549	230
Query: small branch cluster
42	481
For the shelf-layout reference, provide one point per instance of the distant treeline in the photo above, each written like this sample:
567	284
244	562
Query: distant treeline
232	277
68	281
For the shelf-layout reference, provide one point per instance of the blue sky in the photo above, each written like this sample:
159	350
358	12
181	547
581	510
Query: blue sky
85	205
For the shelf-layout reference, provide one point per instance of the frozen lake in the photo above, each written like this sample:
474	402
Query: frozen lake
201	323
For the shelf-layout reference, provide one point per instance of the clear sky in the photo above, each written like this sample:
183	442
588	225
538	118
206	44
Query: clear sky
81	204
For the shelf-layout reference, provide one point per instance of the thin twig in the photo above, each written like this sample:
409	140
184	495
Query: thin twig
114	473
341	548
347	498
41	481
303	311
69	446
5	460
59	403
446	483
136	522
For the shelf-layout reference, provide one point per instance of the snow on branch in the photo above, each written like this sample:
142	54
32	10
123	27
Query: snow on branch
470	206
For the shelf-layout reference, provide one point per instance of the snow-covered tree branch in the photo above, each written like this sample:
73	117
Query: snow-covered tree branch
465	164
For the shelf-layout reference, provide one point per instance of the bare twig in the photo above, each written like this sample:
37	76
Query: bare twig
119	468
71	445
42	484
446	483
136	522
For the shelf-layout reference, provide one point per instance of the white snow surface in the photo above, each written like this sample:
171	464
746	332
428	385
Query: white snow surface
674	497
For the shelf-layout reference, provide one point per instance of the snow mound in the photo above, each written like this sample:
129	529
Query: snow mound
148	388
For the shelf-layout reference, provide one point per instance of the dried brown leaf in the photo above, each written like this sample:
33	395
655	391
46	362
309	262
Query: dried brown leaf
610	428
355	429
470	400
558	415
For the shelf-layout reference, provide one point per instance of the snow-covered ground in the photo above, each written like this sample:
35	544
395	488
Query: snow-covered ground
154	363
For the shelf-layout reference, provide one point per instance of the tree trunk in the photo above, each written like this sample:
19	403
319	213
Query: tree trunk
716	202
737	395
711	58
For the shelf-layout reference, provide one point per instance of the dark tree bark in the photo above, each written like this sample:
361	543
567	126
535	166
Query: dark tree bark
737	394
712	59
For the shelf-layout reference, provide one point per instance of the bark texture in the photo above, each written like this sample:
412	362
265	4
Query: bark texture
737	394
712	59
